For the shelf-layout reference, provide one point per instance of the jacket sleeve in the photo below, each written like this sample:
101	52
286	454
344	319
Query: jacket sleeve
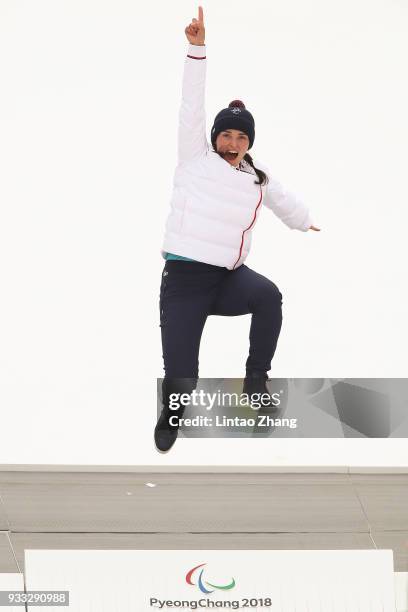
286	206
192	140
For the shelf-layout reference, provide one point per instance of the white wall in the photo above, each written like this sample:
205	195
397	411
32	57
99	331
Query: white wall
88	121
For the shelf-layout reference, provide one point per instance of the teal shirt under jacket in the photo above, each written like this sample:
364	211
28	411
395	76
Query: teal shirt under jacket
172	256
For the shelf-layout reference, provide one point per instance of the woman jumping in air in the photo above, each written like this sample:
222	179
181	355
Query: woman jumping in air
217	198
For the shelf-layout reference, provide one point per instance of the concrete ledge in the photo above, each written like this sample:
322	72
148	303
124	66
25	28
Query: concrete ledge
181	469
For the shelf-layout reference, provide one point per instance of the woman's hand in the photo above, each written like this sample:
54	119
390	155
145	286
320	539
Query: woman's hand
195	32
315	229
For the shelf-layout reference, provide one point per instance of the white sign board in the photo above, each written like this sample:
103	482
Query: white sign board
8	583
280	581
401	591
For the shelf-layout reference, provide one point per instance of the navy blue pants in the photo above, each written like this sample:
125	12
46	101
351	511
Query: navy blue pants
192	291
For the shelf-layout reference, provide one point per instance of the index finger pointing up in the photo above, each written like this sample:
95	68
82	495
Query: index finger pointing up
200	14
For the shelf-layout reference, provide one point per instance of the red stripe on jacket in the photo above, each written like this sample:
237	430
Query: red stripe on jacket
248	228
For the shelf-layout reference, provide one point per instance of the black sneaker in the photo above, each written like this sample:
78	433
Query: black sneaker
255	385
165	434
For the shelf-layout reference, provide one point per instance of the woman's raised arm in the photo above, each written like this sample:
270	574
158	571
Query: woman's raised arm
192	140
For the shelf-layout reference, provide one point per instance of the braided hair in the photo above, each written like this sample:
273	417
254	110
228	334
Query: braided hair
262	177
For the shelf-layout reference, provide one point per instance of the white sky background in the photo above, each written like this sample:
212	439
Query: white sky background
90	92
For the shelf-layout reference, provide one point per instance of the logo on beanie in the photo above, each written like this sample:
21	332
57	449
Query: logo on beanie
235	110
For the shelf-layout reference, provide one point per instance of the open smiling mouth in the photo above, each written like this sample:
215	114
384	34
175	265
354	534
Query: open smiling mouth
230	155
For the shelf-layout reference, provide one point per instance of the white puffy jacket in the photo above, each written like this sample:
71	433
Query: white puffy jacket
214	206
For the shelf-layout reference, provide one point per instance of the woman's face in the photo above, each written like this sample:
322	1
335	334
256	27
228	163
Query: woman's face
229	142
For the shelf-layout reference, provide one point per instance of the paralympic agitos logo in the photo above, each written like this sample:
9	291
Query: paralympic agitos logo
197	576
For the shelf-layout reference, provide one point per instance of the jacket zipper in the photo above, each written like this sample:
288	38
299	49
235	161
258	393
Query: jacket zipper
248	228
